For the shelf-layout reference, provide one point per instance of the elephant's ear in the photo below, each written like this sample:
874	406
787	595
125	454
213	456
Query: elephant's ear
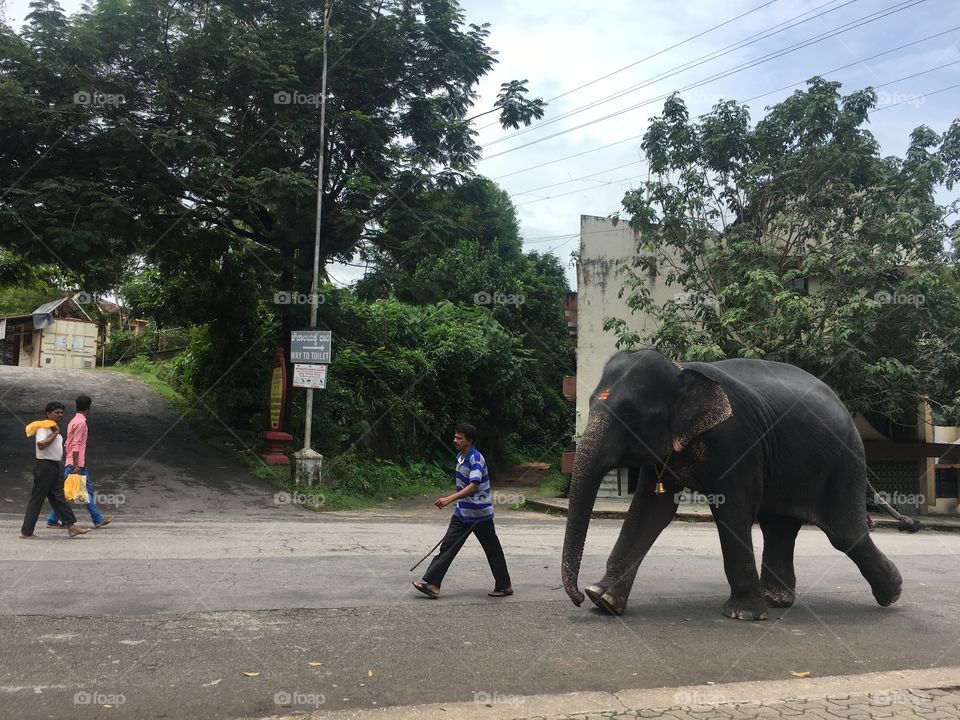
701	404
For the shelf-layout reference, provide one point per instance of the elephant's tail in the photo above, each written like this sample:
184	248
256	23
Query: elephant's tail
904	524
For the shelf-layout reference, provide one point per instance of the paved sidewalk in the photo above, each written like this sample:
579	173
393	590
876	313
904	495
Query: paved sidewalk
931	694
695	512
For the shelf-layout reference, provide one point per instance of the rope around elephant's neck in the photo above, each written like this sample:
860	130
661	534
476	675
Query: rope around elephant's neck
659	488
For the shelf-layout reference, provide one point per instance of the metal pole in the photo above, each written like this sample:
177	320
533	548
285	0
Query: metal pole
308	423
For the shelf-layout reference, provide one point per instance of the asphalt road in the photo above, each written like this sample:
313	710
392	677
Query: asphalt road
205	576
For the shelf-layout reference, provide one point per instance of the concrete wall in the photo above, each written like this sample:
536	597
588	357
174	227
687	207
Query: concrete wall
603	247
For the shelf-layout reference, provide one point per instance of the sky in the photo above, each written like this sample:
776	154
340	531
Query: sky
574	54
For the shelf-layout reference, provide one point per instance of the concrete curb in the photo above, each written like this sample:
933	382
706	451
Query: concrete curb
930	522
514	707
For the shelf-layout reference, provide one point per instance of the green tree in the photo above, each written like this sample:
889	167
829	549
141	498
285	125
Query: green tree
796	240
403	375
469	252
186	137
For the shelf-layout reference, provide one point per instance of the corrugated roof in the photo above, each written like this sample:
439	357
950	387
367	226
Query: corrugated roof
49	307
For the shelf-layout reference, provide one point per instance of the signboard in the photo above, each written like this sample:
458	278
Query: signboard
310	376
278	390
78	342
3	328
310	346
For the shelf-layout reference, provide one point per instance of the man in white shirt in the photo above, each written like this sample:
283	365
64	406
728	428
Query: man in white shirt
48	479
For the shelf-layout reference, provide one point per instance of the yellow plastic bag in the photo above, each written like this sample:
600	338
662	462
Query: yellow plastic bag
75	489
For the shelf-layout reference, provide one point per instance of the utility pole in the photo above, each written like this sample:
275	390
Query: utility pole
308	425
308	461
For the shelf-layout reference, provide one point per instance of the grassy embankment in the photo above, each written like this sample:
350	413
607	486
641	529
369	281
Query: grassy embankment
350	482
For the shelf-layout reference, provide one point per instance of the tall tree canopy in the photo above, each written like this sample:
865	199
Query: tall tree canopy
188	131
795	240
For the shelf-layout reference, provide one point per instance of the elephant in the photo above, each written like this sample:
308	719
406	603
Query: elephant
767	441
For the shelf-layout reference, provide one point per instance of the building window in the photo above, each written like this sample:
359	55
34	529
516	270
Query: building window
799	285
946	482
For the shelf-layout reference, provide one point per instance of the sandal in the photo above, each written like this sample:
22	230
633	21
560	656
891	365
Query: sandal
422	587
501	593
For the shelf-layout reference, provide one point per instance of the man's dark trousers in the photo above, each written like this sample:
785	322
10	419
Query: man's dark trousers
47	483
456	536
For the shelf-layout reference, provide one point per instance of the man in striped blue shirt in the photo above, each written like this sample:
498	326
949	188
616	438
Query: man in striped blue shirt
473	514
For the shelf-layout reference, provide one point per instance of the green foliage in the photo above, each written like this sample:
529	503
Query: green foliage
795	240
555	484
189	132
472	256
353	474
403	375
22	300
187	140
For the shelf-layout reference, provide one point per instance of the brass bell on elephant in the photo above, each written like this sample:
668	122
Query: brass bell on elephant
659	488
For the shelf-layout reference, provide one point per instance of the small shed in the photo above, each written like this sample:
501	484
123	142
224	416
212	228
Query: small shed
58	334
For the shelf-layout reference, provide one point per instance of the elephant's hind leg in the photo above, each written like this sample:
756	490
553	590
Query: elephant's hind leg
777	577
879	571
648	515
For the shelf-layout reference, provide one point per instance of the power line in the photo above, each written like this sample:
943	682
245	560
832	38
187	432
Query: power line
584	177
579	190
755	97
926	95
568	157
858	62
651	56
726	73
696	62
884	107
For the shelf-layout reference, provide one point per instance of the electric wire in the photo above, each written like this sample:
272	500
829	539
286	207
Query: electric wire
882	107
651	56
689	65
755	97
726	73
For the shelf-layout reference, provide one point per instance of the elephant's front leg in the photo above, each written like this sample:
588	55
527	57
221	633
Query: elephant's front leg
746	598
648	515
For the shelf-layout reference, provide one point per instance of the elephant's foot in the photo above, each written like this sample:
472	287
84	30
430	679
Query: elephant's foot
779	596
745	608
605	600
886	594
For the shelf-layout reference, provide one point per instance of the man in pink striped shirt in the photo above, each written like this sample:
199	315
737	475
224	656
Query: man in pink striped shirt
76	448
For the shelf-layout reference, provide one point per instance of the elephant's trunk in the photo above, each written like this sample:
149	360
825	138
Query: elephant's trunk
589	467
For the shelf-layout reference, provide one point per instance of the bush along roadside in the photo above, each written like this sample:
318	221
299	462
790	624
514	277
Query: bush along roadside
350	481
